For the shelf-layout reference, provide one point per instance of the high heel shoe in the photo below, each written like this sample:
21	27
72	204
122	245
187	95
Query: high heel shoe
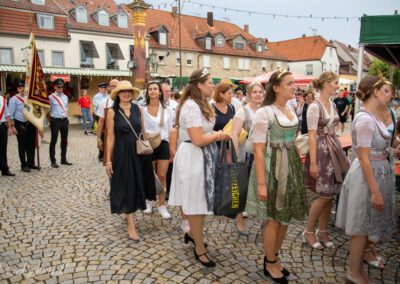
284	271
328	244
187	239
281	280
241	232
316	245
209	263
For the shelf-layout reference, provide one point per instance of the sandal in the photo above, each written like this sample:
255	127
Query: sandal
378	262
328	244
316	245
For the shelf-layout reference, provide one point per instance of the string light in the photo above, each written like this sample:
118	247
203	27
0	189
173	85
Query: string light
272	14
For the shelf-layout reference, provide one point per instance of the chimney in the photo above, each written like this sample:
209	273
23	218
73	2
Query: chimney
304	35
266	39
210	19
174	10
246	28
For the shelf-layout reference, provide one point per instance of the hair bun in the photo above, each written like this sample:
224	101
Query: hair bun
360	95
316	84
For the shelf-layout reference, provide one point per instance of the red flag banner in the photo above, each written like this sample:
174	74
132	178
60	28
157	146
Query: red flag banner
35	89
35	83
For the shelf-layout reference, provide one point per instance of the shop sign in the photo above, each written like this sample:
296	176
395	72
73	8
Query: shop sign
66	78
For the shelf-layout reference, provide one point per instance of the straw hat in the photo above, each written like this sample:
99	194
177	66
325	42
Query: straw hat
124	86
228	82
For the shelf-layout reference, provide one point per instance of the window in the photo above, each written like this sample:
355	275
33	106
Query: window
41	56
244	64
114	54
6	56
122	20
259	48
189	59
220	42
309	69
238	45
208	43
45	21
227	62
103	18
131	52
264	65
57	58
162	38
38	2
88	51
178	59
81	15
206	61
278	65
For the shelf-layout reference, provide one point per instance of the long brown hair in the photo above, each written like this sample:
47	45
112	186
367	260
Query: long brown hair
368	84
193	92
275	80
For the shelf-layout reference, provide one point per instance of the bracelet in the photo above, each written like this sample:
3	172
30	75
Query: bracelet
217	135
108	163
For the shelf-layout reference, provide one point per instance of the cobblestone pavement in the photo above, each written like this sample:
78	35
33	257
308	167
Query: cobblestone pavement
56	227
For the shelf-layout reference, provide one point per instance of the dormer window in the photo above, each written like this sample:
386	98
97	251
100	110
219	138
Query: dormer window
208	43
219	42
162	38
45	21
38	2
81	15
122	20
103	18
238	45
260	48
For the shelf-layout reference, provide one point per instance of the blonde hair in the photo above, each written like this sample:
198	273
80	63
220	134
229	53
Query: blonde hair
327	76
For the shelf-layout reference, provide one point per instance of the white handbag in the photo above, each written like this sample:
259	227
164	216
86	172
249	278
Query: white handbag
301	143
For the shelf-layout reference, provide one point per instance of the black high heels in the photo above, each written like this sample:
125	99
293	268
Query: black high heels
280	280
209	263
187	239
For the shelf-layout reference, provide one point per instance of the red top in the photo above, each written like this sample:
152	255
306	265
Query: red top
84	102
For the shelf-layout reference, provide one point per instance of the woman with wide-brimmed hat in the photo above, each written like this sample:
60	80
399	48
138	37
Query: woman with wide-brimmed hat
123	165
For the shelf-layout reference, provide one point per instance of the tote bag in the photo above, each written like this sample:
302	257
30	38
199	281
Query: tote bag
231	182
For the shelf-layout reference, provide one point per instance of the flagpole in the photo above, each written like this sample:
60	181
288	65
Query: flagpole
37	149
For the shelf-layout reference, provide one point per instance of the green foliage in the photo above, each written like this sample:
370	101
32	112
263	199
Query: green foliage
378	67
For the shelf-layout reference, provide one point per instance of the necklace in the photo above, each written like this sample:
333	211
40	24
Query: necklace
126	107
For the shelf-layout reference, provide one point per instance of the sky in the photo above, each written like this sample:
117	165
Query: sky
282	28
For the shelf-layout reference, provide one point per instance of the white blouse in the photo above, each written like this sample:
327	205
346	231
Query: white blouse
244	115
152	123
264	116
313	115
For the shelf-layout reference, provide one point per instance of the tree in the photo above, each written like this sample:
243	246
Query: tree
379	67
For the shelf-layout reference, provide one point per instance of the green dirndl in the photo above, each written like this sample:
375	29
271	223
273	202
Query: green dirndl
282	166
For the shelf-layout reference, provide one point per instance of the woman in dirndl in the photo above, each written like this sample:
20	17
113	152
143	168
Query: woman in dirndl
326	164
276	190
366	209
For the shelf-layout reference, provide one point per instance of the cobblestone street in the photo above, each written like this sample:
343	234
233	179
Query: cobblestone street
56	227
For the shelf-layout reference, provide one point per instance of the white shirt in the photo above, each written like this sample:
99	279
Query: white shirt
107	103
237	104
152	124
173	105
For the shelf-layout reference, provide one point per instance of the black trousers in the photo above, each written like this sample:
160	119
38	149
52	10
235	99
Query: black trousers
58	125
3	147
101	152
26	142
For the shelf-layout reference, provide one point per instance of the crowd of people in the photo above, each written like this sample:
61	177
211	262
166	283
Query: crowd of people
156	149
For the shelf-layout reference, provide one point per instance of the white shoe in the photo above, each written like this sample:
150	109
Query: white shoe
245	214
185	226
149	207
162	210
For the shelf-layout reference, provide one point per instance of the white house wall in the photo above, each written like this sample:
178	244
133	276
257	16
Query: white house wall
331	63
300	67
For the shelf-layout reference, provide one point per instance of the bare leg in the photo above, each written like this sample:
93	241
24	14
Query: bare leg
324	222
357	248
162	168
131	227
240	222
196	232
270	241
316	210
281	237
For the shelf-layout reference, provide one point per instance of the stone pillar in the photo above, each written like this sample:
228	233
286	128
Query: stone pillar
138	14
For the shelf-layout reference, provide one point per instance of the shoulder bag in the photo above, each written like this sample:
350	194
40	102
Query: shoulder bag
142	146
155	138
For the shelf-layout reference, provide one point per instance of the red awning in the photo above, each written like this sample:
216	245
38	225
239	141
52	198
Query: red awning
66	78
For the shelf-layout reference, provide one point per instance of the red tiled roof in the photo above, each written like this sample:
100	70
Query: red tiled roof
93	6
49	7
23	22
193	26
301	49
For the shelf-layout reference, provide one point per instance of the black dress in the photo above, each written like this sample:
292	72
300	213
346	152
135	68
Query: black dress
127	182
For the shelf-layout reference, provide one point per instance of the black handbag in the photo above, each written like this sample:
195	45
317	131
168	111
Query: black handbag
231	183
